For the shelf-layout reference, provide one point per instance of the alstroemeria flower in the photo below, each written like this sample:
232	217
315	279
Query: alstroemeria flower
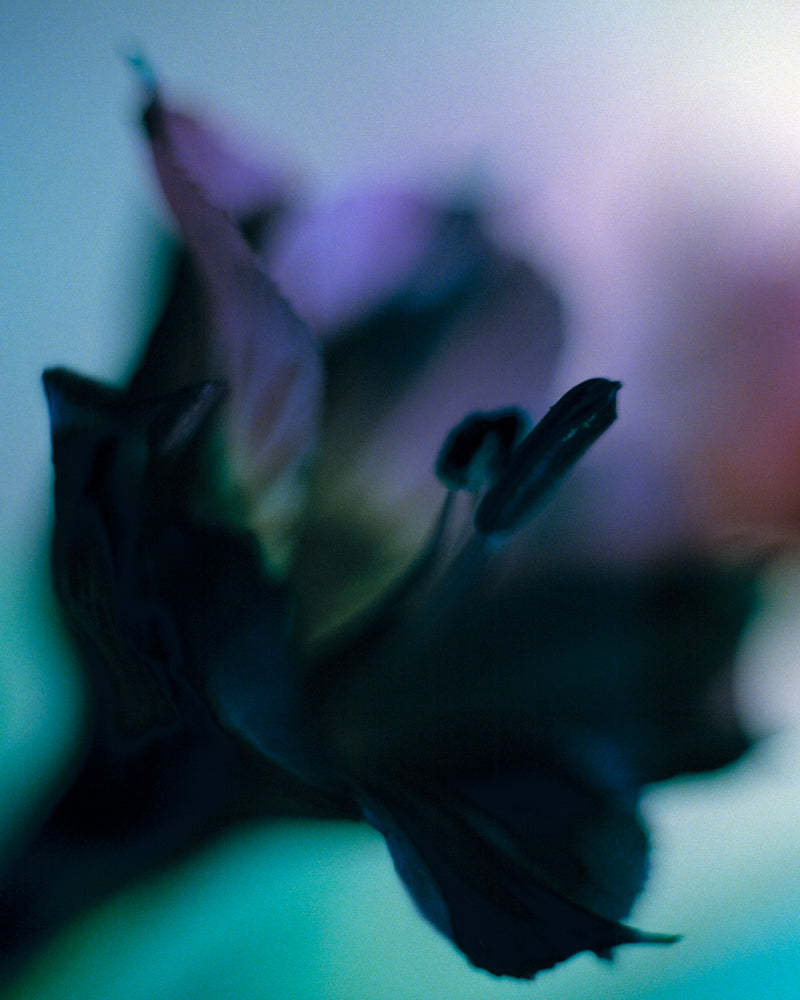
302	551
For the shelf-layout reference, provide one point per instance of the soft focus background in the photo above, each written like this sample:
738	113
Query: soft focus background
619	135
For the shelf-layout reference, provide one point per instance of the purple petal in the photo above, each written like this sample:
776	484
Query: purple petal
337	265
266	354
234	178
471	329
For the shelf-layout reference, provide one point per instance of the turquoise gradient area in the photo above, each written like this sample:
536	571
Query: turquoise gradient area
556	99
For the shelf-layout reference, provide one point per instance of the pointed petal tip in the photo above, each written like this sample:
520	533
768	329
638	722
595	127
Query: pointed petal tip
75	402
634	936
60	390
145	75
50	386
142	69
664	938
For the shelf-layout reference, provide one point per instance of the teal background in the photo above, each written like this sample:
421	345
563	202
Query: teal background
561	103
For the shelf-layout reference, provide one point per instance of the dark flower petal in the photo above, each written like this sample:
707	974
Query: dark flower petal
175	620
111	482
499	729
177	616
626	675
479	882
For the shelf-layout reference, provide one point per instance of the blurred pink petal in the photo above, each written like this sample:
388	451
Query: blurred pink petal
743	458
